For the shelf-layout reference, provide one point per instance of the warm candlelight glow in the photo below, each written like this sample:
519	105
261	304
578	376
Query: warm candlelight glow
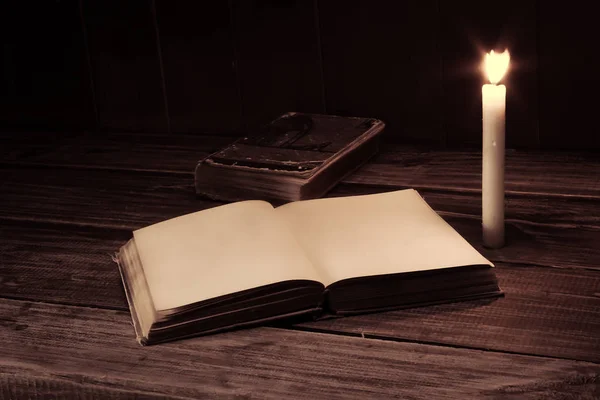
493	103
496	65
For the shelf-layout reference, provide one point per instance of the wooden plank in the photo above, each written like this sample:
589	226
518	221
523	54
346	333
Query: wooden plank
125	64
54	344
469	29
545	311
107	198
528	173
381	59
17	146
21	383
174	154
44	76
64	264
199	66
568	76
531	244
120	200
535	173
278	58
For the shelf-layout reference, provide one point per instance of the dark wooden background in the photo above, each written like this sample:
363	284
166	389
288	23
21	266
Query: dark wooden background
223	67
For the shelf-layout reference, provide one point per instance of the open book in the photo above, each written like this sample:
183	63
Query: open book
246	263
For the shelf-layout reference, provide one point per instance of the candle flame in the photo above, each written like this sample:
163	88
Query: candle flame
496	65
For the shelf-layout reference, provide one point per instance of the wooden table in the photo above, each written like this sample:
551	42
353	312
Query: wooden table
69	201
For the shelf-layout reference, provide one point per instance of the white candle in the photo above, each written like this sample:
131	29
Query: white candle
494	110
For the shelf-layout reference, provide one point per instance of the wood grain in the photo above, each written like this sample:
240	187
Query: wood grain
96	198
130	201
531	173
172	154
16	146
120	200
21	383
63	264
531	244
535	173
541	231
81	345
64	216
546	311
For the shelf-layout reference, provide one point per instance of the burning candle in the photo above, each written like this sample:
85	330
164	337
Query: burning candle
494	108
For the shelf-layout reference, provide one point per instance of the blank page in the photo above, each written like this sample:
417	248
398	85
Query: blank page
218	251
377	234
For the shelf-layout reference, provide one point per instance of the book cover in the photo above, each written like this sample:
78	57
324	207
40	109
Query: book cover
247	263
297	156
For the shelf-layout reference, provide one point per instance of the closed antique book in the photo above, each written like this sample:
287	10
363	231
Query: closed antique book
246	263
295	157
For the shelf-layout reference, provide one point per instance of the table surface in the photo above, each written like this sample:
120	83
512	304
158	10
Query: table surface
69	201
